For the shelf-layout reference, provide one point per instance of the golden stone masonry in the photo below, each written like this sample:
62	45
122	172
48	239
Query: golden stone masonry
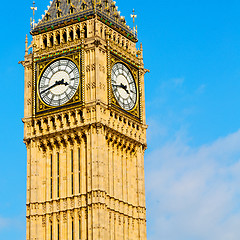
84	125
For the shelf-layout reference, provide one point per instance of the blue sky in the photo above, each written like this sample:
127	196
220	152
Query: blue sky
192	99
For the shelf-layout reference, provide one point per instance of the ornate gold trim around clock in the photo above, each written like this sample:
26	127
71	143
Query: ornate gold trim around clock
135	112
40	108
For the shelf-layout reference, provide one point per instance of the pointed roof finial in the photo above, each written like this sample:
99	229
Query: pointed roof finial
33	8
134	16
26	45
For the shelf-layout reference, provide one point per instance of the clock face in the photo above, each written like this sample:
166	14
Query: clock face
59	82
123	86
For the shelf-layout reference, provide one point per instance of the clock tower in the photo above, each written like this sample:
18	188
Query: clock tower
84	125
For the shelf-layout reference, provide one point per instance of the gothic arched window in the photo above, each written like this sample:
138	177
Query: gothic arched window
78	33
71	35
65	37
85	31
58	39
71	10
59	13
58	2
51	41
44	42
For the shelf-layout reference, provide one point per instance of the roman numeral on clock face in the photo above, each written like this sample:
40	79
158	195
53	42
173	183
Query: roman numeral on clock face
59	82
124	86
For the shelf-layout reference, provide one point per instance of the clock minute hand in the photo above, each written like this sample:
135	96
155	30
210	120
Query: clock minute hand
54	85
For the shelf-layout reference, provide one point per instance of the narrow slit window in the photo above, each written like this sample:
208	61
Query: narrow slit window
58	39
85	31
58	3
59	14
58	231
65	37
51	41
106	3
47	18
79	226
51	231
51	176
58	176
71	10
71	35
44	42
72	229
79	172
83	6
78	33
72	172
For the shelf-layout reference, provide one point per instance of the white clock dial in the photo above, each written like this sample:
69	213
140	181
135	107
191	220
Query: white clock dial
59	82
123	86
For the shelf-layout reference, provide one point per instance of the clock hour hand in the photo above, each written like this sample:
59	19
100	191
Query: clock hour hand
61	82
124	87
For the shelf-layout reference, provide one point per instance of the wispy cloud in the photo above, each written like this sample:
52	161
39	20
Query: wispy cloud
8	223
194	193
201	89
178	81
4	222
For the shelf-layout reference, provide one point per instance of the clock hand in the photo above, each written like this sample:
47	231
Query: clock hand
61	82
124	87
54	85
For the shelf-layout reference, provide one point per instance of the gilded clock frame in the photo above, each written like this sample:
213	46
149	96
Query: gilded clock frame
41	108
134	113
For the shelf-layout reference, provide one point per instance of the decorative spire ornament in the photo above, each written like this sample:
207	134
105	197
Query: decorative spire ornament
26	45
33	23
134	16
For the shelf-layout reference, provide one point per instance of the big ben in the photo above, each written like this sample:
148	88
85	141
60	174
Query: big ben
84	125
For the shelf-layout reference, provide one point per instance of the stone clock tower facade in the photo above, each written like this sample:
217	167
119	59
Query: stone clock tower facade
84	125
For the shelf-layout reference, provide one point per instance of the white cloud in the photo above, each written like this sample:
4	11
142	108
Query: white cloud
194	193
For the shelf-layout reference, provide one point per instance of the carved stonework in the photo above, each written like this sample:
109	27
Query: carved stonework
107	142
50	207
72	203
58	206
29	84
44	207
44	221
102	86
64	217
